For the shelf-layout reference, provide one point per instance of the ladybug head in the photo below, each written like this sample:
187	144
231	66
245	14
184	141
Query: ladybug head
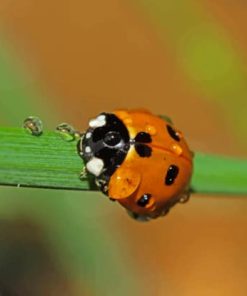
105	144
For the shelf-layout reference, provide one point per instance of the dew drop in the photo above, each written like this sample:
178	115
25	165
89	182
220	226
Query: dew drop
185	196
33	125
177	149
151	130
67	132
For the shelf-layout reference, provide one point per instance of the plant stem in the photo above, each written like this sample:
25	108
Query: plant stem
215	174
45	161
48	161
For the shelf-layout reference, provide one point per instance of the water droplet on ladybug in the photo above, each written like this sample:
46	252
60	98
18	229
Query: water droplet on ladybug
119	177
185	196
67	132
177	149
33	125
151	130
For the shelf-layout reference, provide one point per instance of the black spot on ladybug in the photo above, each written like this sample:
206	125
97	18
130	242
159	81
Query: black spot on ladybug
143	137
171	174
143	150
144	200
173	133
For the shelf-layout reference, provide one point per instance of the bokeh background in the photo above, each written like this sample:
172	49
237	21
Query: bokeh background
66	61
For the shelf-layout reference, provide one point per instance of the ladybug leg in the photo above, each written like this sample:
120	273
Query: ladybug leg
140	218
102	183
80	144
165	211
83	173
170	204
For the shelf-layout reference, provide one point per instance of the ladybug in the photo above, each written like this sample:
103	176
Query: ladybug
138	159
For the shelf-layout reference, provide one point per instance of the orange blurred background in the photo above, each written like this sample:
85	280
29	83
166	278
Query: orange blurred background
68	61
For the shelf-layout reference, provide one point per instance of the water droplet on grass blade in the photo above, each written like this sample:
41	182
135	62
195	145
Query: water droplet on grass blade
67	132
33	125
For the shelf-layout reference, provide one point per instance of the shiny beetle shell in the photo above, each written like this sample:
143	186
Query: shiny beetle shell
138	159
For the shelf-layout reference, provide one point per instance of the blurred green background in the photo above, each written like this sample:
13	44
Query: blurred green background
69	60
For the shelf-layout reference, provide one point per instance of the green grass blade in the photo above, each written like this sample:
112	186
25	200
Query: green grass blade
50	162
219	174
39	161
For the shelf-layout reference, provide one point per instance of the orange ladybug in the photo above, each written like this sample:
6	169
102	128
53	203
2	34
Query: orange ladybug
139	159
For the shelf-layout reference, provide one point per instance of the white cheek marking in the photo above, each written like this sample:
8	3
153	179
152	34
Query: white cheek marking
97	122
101	117
88	149
95	166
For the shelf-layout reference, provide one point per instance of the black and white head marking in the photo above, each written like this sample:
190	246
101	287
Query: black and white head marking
104	146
